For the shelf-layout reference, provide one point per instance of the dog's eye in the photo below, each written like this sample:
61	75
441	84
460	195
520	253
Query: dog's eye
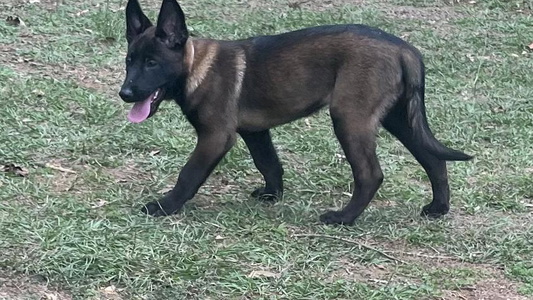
150	63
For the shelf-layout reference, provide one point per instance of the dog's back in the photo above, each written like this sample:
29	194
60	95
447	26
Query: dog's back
292	75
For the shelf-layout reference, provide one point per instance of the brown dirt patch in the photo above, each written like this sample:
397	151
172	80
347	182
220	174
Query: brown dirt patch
489	283
375	275
129	172
429	14
316	5
486	282
64	174
102	80
493	284
18	287
61	175
488	289
63	182
462	221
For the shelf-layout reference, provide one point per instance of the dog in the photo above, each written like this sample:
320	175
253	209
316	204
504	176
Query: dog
365	76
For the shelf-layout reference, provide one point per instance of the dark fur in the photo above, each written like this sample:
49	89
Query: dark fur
364	75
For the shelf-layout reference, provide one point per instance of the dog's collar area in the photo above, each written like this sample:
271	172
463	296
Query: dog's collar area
199	63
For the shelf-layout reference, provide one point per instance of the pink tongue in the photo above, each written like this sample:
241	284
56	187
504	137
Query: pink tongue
140	111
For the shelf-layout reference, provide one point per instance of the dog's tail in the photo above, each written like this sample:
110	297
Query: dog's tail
413	69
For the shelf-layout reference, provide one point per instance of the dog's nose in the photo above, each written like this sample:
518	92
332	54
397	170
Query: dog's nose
126	93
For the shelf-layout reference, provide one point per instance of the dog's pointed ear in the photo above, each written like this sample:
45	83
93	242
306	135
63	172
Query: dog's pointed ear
171	28
136	20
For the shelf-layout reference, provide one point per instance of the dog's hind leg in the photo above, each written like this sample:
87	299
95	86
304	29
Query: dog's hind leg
396	122
267	162
355	124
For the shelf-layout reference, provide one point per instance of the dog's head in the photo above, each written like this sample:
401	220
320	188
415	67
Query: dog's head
155	68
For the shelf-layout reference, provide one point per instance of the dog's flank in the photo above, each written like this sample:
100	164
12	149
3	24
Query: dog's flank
367	77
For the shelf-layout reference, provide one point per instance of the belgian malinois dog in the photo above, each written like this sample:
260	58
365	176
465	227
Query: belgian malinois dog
366	76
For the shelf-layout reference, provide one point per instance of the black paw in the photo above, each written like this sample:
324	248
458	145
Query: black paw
160	208
434	211
262	195
333	217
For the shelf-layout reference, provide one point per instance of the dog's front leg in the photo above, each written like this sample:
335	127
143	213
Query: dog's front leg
210	149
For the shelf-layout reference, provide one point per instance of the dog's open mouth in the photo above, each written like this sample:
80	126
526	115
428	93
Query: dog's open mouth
142	110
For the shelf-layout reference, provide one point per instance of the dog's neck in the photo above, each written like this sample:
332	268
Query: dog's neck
189	55
199	56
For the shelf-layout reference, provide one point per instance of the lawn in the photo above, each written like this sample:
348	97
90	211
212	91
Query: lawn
74	173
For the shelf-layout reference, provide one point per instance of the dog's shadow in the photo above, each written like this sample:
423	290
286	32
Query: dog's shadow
241	210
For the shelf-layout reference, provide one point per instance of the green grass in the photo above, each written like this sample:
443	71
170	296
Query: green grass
83	231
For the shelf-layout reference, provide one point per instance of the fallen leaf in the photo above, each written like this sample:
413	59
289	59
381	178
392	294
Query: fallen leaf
15	170
498	109
110	289
82	12
307	123
34	1
38	93
530	47
99	203
267	274
48	296
110	293
219	238
155	152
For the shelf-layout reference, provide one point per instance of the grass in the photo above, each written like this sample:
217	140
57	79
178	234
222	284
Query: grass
81	231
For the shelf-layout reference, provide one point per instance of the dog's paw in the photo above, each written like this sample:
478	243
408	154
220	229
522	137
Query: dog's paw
333	217
433	211
261	195
159	208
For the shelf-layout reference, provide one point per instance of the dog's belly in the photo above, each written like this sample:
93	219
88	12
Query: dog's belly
257	118
282	97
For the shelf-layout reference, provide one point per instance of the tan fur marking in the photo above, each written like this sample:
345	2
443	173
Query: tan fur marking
189	54
203	56
240	69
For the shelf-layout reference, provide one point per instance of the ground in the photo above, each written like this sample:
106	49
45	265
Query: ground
73	172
